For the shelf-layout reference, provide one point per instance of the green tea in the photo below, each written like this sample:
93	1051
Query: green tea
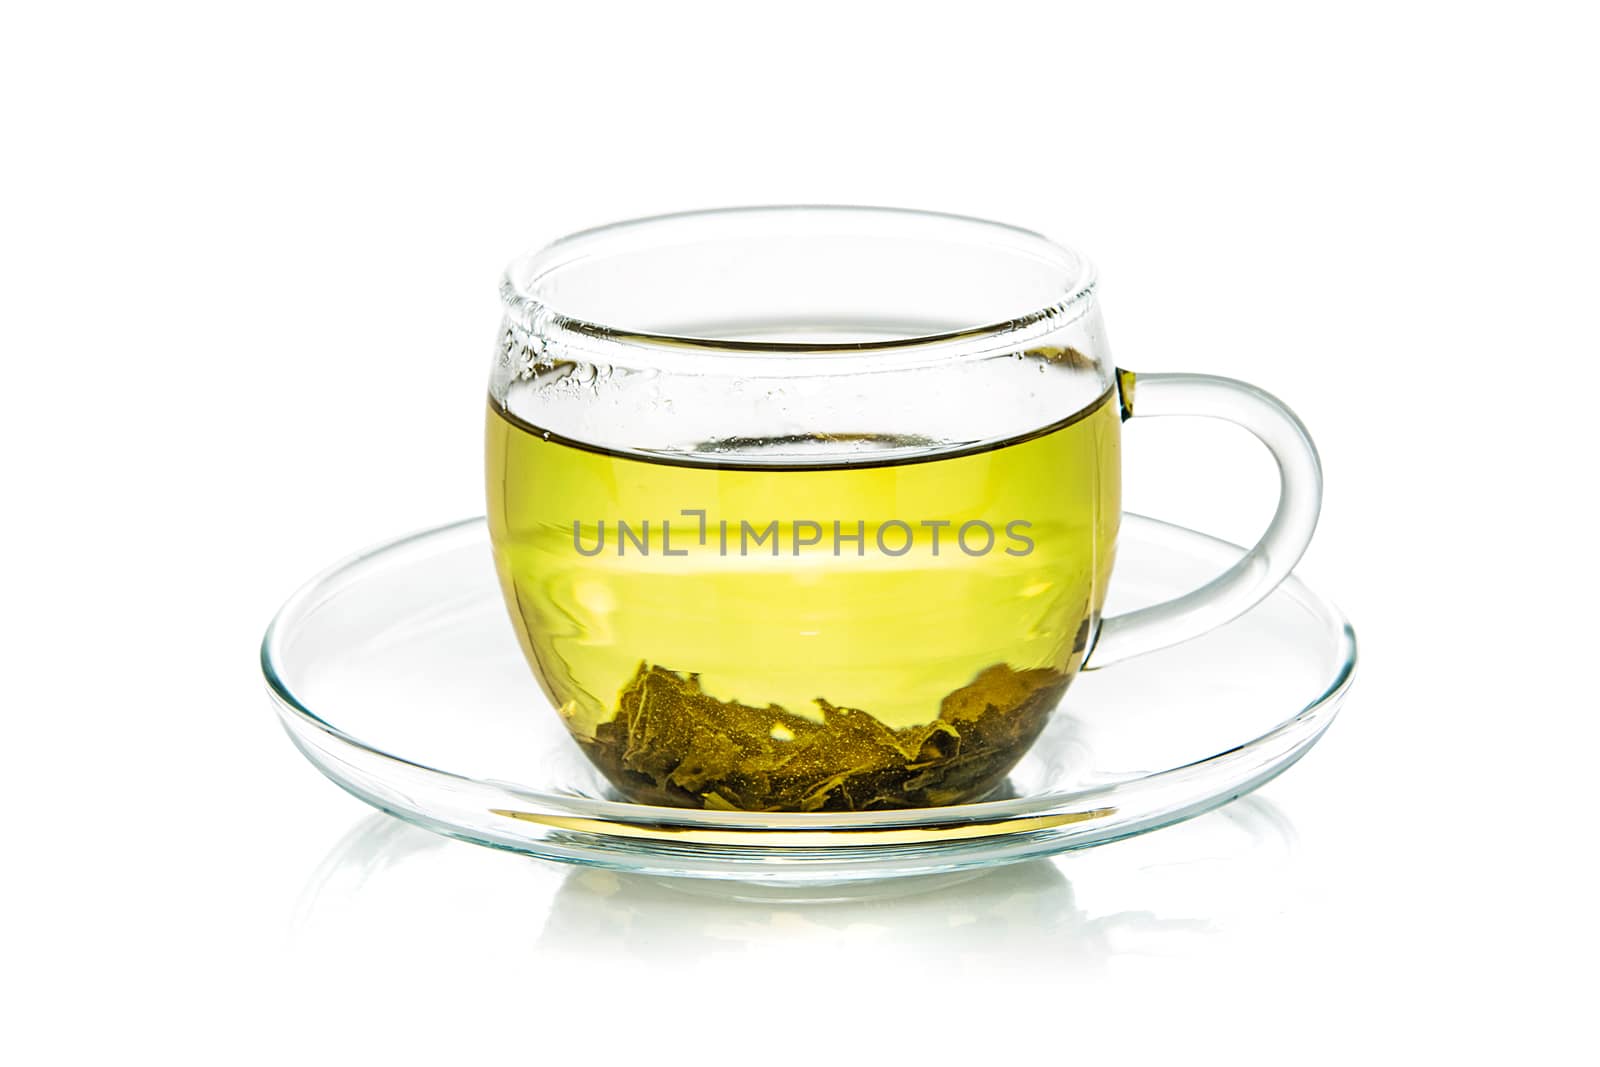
846	632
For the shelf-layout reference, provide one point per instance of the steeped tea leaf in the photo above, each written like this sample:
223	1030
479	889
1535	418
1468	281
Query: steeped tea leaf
672	743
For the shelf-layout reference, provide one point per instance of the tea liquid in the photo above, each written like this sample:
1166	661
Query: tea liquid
789	605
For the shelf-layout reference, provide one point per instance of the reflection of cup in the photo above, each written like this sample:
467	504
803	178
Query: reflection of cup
1158	894
1078	911
815	508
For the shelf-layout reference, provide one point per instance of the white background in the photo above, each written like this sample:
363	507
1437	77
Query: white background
250	259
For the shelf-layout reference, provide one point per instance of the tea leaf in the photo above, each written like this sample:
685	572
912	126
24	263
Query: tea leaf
672	743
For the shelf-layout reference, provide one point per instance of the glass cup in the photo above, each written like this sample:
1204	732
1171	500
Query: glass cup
815	508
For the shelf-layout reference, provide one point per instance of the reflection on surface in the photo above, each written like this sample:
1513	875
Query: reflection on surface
1011	914
1163	894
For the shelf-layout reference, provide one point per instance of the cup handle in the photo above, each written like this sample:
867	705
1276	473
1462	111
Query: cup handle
1247	582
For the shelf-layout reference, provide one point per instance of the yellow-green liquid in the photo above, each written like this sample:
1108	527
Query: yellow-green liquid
898	637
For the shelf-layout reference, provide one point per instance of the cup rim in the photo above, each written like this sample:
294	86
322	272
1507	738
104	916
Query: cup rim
1077	282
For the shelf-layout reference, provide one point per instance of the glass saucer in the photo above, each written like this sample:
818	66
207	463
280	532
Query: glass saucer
397	674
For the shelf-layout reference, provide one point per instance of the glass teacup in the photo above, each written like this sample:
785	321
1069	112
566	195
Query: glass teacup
815	508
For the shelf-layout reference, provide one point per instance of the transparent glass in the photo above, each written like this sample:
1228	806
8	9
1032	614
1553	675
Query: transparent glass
395	673
816	508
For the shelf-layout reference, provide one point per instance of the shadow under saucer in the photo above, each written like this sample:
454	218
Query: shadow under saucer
1151	895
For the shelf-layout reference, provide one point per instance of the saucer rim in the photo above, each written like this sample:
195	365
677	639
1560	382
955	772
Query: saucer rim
770	827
